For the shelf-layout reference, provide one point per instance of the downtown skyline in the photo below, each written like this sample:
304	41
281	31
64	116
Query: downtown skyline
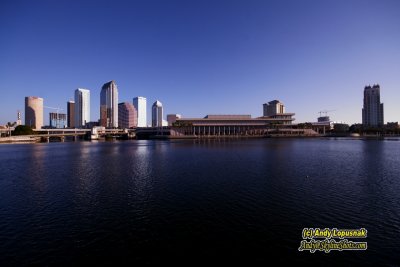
223	57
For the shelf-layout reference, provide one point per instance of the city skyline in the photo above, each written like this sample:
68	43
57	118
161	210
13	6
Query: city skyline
312	56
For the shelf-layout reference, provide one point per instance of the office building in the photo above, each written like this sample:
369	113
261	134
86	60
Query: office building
58	120
273	107
34	112
171	118
109	105
157	114
140	105
82	107
71	114
372	112
127	115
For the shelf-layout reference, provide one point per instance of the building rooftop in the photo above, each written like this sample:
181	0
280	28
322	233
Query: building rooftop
274	102
157	103
224	117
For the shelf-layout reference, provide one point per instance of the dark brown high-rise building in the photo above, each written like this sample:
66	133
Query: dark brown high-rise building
71	114
372	112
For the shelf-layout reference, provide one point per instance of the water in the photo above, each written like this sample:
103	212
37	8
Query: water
208	201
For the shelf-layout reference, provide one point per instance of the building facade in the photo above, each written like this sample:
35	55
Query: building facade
140	105
157	114
278	122
233	125
82	107
372	112
109	105
34	112
171	118
58	120
71	114
273	107
127	115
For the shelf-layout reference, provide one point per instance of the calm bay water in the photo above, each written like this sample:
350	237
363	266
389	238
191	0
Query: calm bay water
207	201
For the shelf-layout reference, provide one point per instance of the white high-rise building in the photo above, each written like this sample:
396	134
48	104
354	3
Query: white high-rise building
140	104
82	107
157	114
109	105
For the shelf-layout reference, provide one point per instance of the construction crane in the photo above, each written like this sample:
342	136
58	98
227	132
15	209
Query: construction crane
53	108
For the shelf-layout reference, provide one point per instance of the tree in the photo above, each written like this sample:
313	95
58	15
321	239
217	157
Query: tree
22	130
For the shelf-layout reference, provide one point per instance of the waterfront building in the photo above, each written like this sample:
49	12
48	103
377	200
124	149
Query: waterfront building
372	112
231	125
109	105
171	118
58	120
156	114
71	114
273	108
34	112
140	105
127	115
239	125
82	107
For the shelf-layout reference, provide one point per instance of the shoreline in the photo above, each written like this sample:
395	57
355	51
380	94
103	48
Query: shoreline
34	140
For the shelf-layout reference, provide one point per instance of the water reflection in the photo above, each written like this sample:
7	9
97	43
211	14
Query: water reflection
36	166
137	199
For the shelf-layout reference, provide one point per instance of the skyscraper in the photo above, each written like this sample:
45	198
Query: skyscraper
34	112
127	115
140	105
372	112
157	114
82	107
109	105
71	114
273	107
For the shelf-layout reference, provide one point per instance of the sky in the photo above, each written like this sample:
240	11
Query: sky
203	57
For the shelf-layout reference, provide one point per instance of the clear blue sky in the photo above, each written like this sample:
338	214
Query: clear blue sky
203	57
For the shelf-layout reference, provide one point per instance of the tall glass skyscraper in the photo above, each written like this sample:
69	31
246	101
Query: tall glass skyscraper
82	107
157	114
372	112
140	105
109	105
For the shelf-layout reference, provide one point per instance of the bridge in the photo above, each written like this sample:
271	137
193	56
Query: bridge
46	134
